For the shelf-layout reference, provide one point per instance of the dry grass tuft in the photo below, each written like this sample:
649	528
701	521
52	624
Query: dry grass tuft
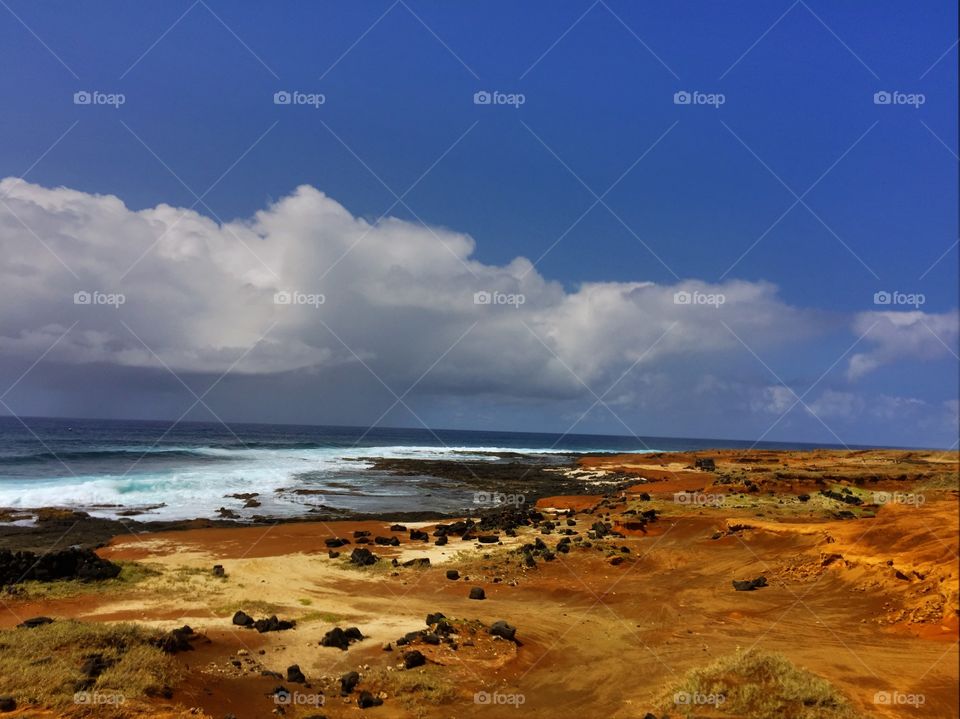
43	666
755	684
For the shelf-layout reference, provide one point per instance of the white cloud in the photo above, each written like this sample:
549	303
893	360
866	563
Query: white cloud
397	296
902	335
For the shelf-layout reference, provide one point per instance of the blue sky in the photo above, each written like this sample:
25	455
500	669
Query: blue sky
878	183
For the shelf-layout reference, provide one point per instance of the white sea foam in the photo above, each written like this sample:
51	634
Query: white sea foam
198	490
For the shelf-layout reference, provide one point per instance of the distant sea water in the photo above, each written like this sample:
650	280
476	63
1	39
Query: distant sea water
188	470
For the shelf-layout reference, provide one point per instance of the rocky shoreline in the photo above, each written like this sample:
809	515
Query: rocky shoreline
512	479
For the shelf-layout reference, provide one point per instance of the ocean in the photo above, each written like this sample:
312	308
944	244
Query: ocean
188	470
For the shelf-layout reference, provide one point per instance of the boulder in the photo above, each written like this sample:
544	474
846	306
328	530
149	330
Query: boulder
477	593
413	659
347	683
272	624
73	563
294	674
336	637
34	622
242	619
503	630
363	557
367	700
749	585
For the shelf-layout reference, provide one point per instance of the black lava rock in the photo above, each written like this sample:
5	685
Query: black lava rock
367	700
413	659
347	683
363	557
503	630
749	585
242	619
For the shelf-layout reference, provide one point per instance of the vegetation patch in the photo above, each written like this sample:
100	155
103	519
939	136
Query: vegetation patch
754	684
89	667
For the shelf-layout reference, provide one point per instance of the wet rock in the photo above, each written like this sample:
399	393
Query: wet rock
294	674
434	618
7	704
488	539
417	562
332	554
387	541
453	574
353	634
616	561
441	541
357	533
477	593
417	535
336	541
219	571
397	528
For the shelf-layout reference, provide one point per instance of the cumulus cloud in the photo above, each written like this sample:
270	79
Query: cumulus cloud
394	296
903	335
